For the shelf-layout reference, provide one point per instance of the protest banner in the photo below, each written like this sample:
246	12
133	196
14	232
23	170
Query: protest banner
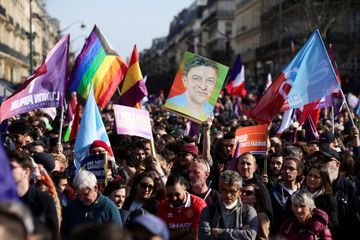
196	87
252	139
97	164
132	121
44	88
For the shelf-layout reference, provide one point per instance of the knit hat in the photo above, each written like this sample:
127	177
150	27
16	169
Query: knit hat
189	148
99	143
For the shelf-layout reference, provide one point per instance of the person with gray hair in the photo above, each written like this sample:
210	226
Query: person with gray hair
229	218
308	221
89	207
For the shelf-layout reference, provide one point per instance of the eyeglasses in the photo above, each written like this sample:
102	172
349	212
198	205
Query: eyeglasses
145	186
248	193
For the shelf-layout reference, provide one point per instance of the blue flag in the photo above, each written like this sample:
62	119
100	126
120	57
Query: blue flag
8	189
310	74
308	77
91	128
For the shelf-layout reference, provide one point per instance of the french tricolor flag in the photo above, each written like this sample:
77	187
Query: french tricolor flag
236	87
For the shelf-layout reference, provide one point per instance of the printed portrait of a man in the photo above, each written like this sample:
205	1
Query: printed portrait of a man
196	94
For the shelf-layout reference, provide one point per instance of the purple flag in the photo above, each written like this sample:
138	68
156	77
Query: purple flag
8	189
45	88
134	95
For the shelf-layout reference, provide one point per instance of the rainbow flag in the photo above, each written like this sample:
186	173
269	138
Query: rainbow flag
133	89
97	65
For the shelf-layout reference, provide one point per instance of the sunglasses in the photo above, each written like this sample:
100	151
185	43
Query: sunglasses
248	193
145	186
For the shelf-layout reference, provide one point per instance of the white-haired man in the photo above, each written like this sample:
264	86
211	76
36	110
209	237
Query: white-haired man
89	207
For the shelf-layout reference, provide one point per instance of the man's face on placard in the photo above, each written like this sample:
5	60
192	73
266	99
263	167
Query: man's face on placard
200	82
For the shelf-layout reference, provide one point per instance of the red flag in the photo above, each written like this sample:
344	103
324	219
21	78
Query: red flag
75	123
72	104
308	110
272	100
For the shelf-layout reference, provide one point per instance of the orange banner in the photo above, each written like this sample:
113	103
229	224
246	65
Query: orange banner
252	139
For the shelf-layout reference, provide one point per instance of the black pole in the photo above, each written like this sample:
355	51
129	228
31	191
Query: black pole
30	40
280	38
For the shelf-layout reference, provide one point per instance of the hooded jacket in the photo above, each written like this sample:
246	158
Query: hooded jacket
315	228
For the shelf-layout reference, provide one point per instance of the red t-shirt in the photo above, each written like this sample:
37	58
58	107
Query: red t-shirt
184	216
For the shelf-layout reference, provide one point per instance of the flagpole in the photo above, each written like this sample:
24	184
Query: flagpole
333	119
333	70
61	124
347	107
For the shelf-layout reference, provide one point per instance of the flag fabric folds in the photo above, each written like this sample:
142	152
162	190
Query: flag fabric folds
71	106
237	79
8	190
99	66
268	81
45	88
286	121
133	89
91	128
73	127
309	77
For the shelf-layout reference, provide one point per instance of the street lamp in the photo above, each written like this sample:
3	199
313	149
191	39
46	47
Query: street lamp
31	34
82	26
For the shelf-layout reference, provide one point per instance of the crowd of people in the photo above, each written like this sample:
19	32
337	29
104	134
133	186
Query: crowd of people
191	186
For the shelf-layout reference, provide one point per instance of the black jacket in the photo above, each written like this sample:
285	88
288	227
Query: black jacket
42	207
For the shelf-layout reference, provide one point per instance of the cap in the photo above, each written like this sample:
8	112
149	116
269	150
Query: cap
329	153
153	224
327	137
44	159
99	143
189	148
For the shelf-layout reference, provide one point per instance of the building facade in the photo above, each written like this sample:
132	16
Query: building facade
267	34
16	16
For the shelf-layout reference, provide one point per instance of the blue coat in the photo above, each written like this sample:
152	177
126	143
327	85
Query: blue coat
103	210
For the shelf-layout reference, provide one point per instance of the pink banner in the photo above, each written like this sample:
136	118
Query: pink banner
132	121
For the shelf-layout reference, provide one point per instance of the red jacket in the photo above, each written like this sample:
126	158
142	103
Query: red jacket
316	228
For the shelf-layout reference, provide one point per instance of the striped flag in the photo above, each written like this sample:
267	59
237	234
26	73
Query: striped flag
237	79
133	89
99	66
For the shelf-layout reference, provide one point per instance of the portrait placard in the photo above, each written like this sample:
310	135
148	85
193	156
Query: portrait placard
196	87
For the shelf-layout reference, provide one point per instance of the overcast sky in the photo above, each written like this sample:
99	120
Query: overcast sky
124	23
